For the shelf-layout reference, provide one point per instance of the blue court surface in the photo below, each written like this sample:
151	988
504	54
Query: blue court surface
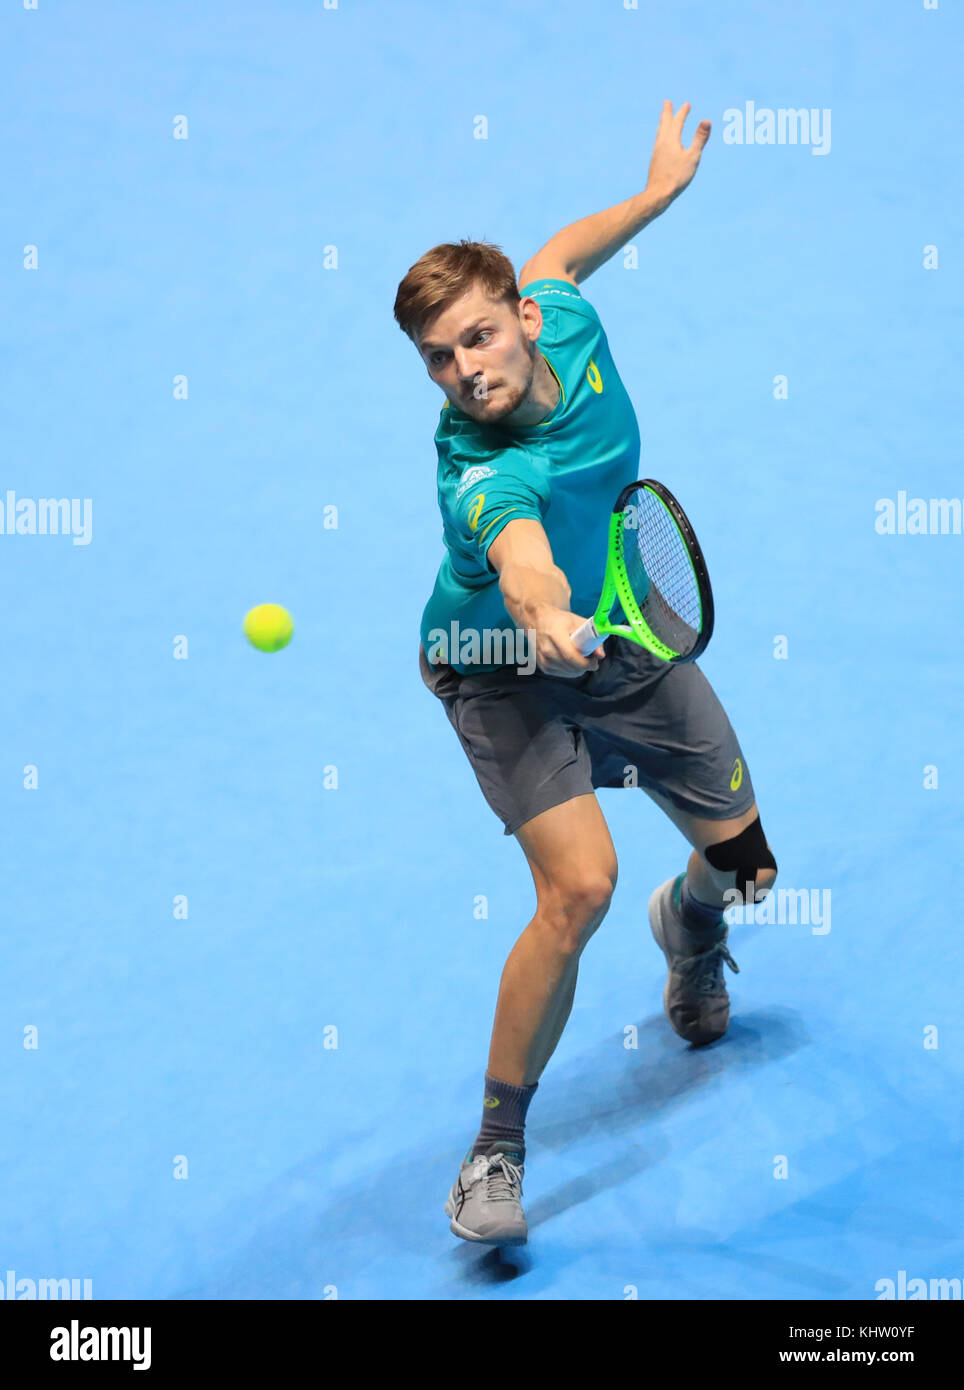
247	991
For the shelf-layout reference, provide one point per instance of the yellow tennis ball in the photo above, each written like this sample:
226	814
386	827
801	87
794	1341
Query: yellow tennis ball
268	627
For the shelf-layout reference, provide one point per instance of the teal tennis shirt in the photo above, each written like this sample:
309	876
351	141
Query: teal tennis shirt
566	472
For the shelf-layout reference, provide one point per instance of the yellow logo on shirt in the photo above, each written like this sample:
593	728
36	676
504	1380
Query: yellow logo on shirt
737	777
593	377
475	511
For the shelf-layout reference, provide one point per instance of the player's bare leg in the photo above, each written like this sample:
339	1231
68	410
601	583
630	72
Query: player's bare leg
573	863
707	883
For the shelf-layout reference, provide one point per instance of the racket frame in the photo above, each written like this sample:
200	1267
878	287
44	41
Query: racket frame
616	583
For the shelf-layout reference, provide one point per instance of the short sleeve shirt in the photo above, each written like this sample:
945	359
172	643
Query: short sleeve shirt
566	472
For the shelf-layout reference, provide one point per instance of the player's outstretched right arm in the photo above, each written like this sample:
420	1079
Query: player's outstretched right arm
536	595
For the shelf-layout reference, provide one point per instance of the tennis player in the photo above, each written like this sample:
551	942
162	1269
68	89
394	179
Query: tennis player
535	440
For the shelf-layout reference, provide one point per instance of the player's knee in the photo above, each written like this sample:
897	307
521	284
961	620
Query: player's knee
588	896
747	857
576	906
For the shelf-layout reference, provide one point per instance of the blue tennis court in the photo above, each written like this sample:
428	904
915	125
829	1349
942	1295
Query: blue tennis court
254	907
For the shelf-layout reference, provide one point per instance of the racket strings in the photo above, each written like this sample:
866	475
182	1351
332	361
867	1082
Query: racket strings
660	573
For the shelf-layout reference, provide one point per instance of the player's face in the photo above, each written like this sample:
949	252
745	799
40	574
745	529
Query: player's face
483	354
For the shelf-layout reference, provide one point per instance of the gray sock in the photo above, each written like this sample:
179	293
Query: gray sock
503	1118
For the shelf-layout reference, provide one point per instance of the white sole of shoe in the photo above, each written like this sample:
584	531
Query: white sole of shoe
466	1234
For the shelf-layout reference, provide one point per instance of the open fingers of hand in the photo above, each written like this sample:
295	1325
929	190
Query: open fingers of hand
679	120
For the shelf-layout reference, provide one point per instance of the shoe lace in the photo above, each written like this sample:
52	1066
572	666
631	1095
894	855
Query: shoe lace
503	1179
706	969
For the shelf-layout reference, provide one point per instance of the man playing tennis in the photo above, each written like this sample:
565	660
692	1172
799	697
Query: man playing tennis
534	444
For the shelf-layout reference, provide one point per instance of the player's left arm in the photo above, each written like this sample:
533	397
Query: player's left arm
579	249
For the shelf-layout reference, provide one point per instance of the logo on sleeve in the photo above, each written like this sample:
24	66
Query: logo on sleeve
473	475
475	511
593	377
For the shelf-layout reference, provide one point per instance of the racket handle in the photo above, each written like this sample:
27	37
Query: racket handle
586	638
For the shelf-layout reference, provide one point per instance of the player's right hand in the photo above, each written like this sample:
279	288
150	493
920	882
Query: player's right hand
556	654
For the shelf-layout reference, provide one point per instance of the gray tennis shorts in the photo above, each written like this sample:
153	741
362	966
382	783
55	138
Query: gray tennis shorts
535	741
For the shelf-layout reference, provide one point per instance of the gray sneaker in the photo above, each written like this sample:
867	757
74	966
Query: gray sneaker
485	1202
694	997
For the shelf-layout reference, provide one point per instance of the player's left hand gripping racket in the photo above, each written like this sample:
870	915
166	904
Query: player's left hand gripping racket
656	590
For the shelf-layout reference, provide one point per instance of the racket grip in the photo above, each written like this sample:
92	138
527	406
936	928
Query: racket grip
586	638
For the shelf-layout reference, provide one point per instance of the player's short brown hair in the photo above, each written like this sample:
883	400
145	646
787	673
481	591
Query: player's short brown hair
445	274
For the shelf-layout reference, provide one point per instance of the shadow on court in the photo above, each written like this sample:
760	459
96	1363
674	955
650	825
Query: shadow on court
392	1216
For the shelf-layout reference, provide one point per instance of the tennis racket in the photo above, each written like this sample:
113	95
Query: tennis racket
656	590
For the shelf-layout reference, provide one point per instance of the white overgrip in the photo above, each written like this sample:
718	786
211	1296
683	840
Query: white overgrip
586	638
